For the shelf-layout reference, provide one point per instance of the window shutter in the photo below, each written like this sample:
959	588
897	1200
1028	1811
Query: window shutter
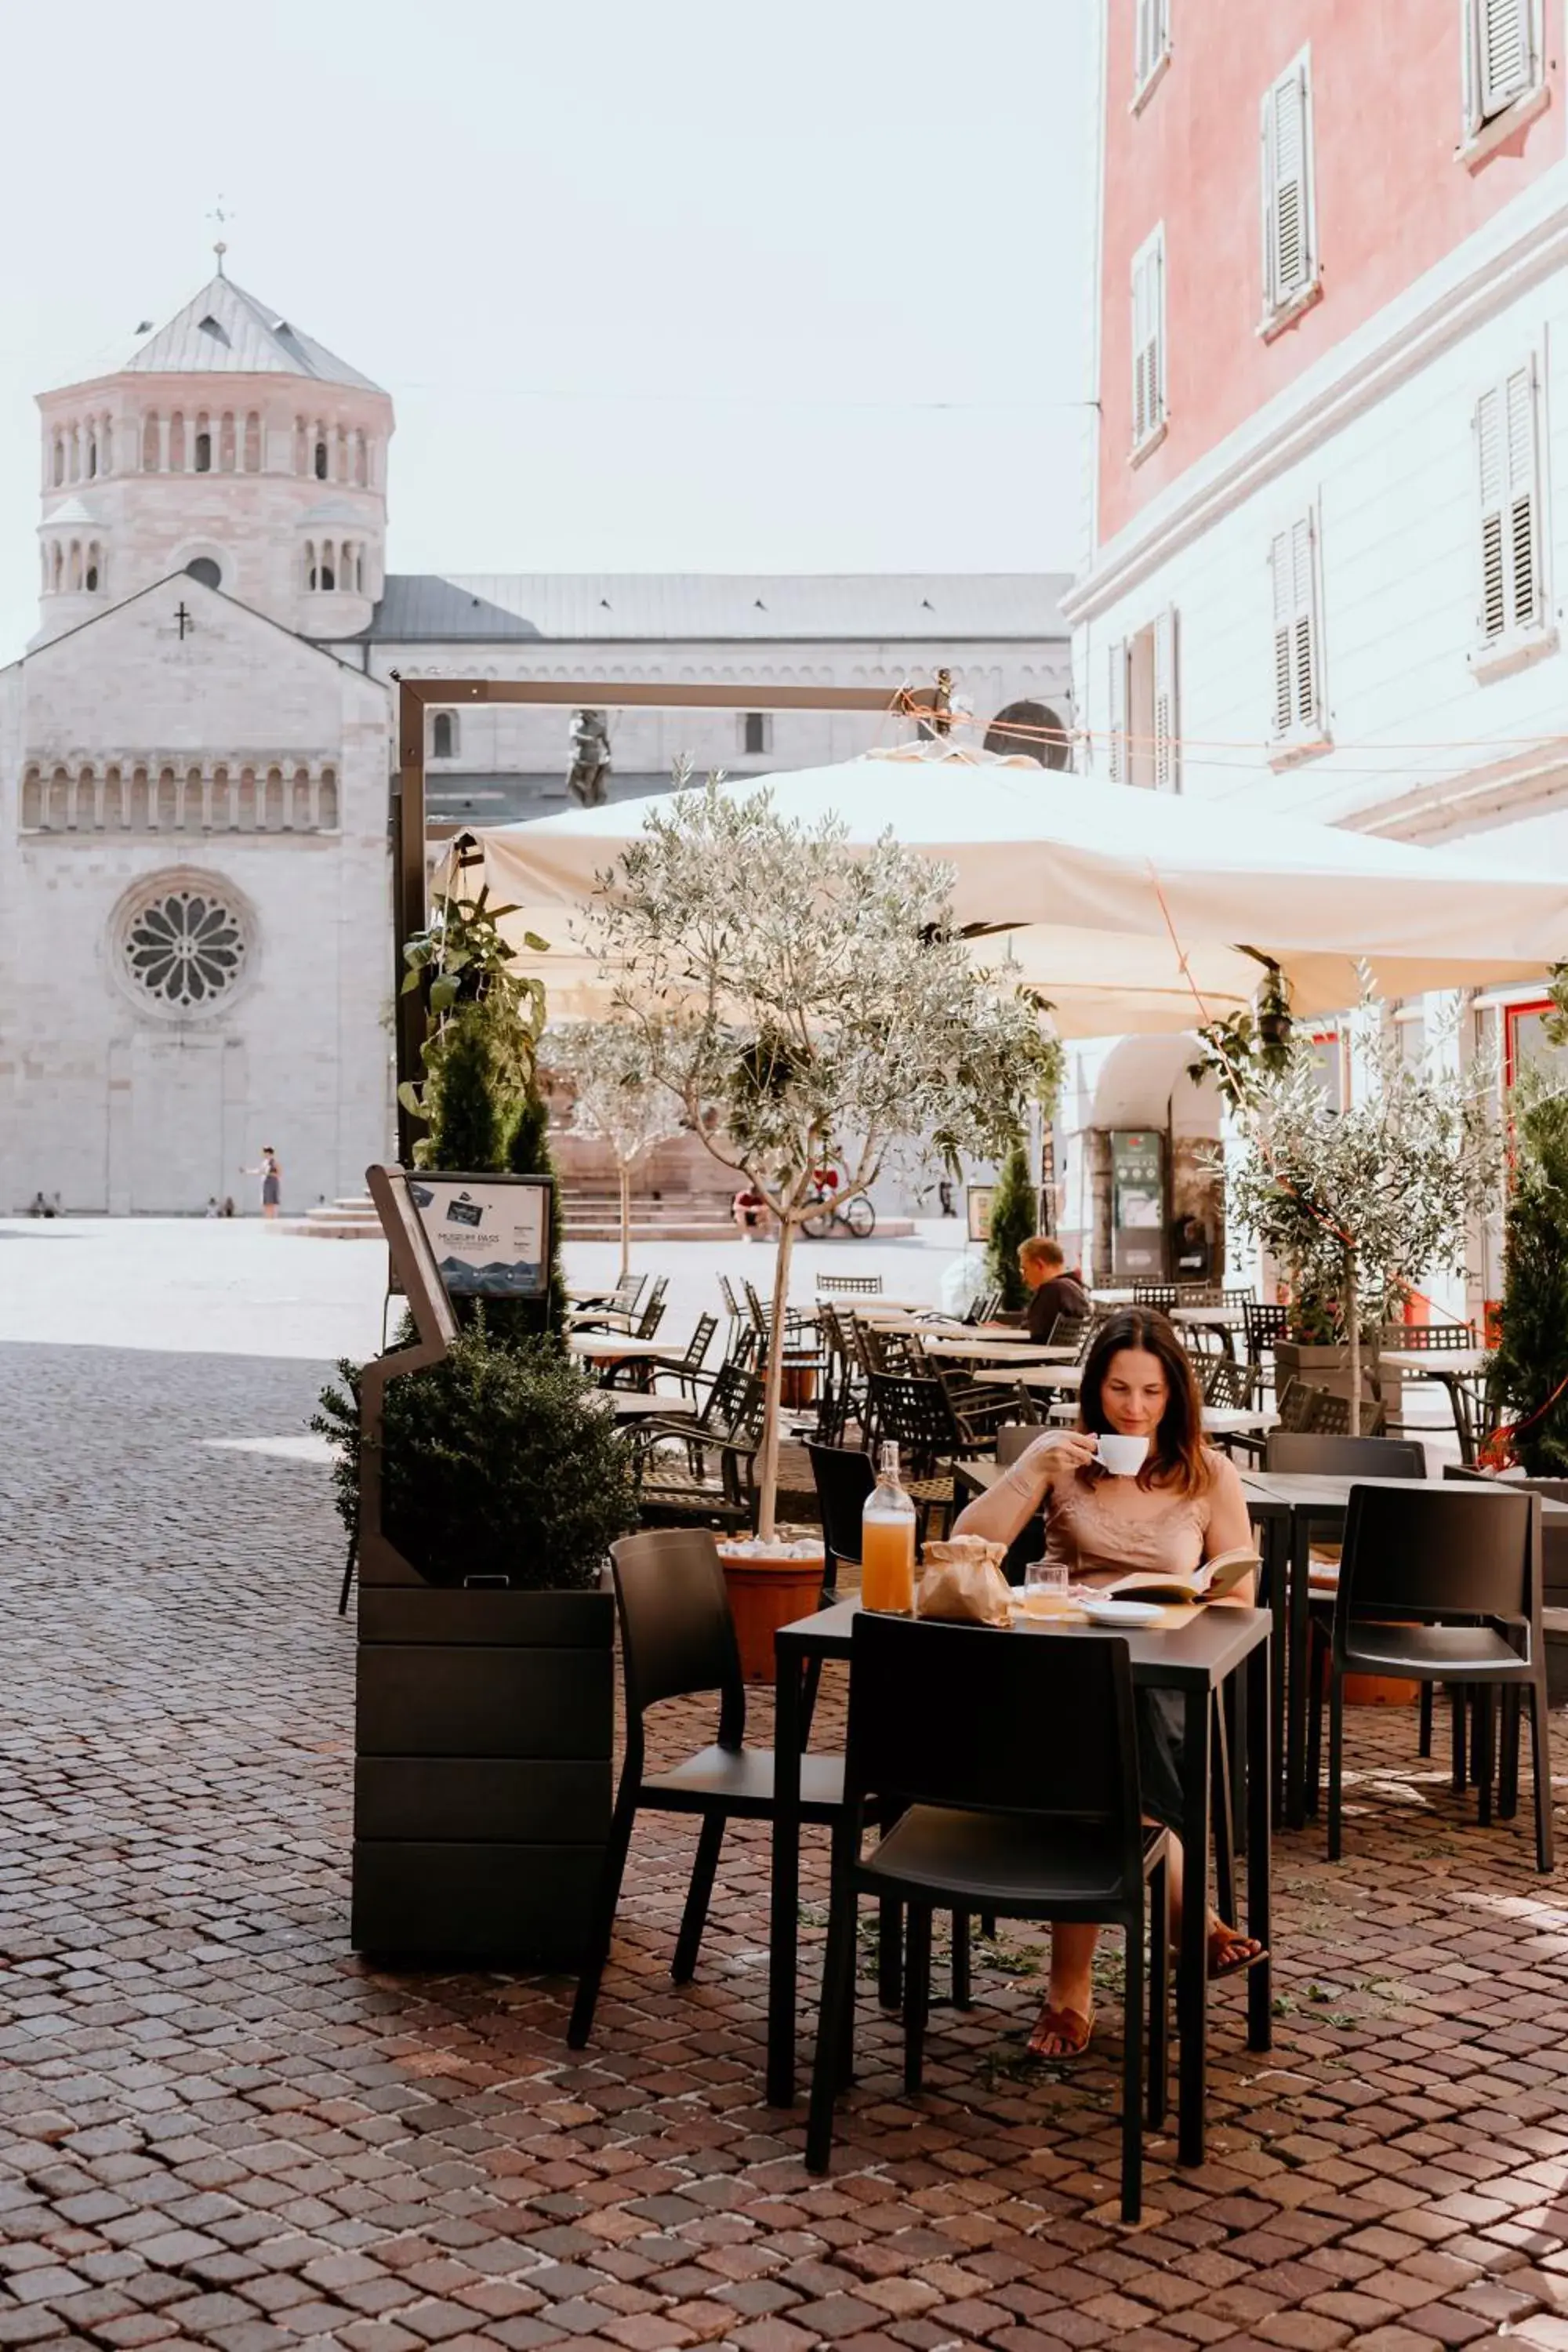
1167	749
1511	593
1148	39
1117	729
1504	63
1148	339
1289	265
1295	684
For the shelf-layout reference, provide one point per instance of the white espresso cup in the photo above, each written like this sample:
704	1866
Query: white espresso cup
1122	1456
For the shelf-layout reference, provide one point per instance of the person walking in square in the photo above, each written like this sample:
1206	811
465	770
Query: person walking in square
272	1174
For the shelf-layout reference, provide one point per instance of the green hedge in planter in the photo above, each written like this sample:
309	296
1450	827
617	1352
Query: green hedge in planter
497	1461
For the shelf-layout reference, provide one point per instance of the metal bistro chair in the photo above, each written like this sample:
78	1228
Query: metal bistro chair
1161	1295
916	1414
615	1311
687	1368
1232	1387
1017	1762
677	1483
841	1393
1262	1327
850	1286
1305	1412
1465	1565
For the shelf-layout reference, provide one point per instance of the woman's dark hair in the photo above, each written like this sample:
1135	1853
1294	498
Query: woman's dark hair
1178	1457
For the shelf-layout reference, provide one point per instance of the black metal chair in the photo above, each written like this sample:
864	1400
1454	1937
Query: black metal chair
702	1471
1262	1327
850	1286
1161	1295
611	1310
915	1413
686	1369
1015	1761
678	1641
1442	1584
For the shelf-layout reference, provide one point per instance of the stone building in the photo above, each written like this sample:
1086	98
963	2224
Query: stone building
196	750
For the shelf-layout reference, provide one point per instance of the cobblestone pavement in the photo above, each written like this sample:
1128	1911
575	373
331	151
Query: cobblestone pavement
218	2127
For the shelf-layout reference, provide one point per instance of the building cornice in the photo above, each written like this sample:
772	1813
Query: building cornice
1529	783
1525	244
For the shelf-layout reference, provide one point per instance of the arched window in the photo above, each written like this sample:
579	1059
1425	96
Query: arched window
59	801
106	444
327	802
91	455
113	801
57	560
299	820
219	802
203	568
226	457
253	442
310	563
361	462
329	570
86	814
444	736
60	459
139	800
93	574
76	564
321	457
165	815
203	449
150	442
244	814
177	443
272	812
31	801
359	571
1033	729
76	453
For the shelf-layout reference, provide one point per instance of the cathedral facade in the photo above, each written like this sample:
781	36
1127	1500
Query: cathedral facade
196	747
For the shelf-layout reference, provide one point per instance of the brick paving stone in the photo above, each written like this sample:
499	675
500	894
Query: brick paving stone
219	2127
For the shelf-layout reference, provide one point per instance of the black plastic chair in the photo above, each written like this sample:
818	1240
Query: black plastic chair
1016	1760
1464	1564
678	1641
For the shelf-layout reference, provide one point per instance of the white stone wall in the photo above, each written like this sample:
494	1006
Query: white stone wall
518	738
111	1104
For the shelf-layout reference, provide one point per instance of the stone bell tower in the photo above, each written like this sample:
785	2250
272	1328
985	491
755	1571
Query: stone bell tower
231	446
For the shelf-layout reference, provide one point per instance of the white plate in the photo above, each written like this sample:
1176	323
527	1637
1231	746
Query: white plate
1127	1613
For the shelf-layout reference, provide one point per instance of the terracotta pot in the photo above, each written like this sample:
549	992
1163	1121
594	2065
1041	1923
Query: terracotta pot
764	1595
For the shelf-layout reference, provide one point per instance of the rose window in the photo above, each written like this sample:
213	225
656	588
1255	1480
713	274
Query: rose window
185	948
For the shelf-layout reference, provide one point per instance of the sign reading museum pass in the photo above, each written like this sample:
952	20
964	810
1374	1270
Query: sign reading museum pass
490	1234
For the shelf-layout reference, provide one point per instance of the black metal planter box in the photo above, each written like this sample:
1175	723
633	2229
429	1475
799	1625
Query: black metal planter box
482	1773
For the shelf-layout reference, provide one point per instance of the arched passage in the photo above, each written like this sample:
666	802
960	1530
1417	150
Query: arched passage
1152	1131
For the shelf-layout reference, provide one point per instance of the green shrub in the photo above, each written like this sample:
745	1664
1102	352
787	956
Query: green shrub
1014	1212
1531	1361
495	1463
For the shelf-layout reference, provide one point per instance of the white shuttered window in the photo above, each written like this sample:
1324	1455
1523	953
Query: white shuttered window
1116	731
1502	56
1149	338
1512	600
1289	235
1167	746
1298	659
1152	38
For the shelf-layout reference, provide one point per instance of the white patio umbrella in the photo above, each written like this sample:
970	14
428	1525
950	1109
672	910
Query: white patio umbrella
1127	908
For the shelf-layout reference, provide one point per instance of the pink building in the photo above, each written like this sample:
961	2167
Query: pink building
1326	551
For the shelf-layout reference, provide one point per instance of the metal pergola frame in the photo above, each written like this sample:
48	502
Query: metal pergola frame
410	908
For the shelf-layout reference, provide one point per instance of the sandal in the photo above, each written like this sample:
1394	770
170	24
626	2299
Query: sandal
1245	1951
1068	2026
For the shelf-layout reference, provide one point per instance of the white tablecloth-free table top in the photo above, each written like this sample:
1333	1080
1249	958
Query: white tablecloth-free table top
1035	1376
1459	1363
1022	1352
610	1347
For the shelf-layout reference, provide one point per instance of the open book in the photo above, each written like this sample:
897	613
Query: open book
1212	1581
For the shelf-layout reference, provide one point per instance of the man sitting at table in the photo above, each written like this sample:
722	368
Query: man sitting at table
1052	1290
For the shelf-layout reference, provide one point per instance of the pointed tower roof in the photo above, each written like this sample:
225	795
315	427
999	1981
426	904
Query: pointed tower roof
223	330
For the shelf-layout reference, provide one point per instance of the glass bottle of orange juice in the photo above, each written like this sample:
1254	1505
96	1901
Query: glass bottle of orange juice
888	1541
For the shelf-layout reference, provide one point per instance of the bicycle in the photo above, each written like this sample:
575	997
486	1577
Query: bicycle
856	1216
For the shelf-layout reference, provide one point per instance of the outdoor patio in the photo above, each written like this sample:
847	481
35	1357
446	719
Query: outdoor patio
217	2127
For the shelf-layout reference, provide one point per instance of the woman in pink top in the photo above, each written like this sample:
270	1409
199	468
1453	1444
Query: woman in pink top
1186	1505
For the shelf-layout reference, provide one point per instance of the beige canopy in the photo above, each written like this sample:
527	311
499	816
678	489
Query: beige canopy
1129	910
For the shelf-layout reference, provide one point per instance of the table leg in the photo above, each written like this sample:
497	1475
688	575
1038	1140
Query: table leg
784	1923
1192	1964
1298	1551
1259	1981
1270	1764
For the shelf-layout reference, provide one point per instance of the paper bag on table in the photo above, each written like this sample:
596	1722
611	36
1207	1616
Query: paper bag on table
962	1582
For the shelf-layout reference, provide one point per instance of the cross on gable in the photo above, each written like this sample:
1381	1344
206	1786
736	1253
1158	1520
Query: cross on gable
186	620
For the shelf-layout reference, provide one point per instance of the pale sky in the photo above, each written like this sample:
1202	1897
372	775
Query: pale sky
702	285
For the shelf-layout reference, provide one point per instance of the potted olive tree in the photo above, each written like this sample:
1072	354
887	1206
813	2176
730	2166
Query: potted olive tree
1356	1205
804	1005
484	1508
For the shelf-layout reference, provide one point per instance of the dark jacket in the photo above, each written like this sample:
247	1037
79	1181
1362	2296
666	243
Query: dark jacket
1060	1296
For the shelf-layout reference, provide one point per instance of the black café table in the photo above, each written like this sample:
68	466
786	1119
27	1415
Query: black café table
1197	1657
1288	1510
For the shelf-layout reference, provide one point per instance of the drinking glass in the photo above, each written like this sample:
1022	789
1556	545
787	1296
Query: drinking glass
1047	1587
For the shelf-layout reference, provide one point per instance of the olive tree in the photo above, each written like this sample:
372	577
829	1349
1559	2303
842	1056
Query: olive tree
802	1003
620	1099
1356	1205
